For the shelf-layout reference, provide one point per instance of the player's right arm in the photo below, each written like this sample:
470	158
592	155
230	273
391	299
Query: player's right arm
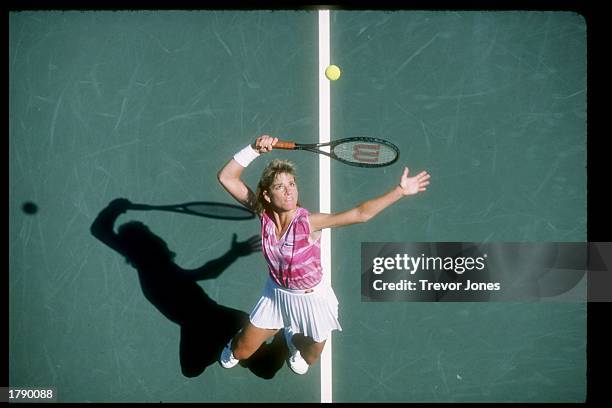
229	175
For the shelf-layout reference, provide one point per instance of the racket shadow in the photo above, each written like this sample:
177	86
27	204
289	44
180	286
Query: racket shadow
205	325
206	209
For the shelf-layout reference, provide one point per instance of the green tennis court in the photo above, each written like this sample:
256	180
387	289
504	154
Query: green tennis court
148	105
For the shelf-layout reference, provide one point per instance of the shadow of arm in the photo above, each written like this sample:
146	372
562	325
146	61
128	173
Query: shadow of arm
103	226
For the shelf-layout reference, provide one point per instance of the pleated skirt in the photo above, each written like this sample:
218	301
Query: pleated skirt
314	314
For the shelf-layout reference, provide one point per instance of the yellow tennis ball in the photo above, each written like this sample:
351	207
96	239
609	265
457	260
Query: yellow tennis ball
332	72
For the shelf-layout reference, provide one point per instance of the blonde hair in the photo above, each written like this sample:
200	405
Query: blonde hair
273	168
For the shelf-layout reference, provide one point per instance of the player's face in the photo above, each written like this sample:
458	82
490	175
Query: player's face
283	193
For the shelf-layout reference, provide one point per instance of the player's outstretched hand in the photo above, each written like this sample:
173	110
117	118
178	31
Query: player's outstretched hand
413	185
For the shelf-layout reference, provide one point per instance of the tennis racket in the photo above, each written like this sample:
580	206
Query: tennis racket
203	209
354	151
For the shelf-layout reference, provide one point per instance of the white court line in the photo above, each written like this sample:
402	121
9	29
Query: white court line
324	189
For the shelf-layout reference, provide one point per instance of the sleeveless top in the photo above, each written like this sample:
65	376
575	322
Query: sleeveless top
293	261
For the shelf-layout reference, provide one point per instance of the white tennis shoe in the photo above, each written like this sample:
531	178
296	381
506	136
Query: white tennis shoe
295	361
227	359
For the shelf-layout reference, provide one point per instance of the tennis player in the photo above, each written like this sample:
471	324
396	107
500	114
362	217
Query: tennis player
295	297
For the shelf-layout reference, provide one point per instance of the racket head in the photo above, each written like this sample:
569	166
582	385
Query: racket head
364	151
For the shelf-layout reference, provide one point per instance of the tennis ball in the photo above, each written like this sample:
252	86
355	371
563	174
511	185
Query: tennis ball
332	72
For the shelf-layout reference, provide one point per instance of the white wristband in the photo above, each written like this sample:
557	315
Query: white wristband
246	156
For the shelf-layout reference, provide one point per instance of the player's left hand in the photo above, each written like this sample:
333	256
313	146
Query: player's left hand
413	185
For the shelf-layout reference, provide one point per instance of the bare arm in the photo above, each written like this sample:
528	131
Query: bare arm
368	209
229	175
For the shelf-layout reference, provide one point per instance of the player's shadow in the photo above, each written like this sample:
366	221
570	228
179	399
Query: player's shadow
205	325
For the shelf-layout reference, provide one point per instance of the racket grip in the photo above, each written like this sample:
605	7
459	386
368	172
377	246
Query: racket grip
284	145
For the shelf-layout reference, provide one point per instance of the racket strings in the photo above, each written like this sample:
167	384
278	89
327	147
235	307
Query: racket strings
365	152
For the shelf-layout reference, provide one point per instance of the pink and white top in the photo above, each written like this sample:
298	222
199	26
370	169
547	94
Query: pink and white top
294	261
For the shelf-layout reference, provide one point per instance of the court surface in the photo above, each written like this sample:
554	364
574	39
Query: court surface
149	105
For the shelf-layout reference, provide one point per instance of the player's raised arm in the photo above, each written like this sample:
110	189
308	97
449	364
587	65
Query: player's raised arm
367	210
229	175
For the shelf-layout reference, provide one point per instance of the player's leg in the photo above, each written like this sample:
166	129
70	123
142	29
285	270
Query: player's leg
248	341
309	349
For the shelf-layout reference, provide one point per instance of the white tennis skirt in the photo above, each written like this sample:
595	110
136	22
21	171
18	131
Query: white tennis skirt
312	312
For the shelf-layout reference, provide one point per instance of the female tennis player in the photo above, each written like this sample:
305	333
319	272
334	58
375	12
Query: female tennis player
295	297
